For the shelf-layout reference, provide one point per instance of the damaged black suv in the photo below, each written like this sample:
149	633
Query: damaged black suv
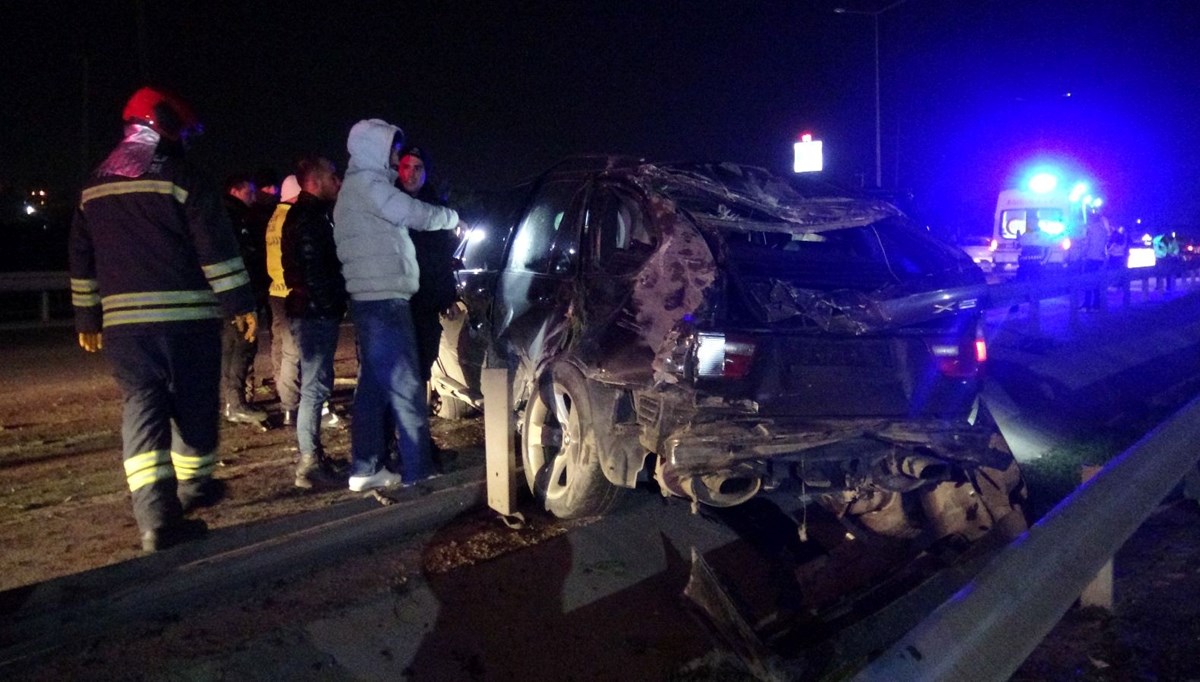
747	332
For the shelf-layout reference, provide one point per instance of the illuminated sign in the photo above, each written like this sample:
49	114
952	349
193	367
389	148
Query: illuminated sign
807	155
1140	258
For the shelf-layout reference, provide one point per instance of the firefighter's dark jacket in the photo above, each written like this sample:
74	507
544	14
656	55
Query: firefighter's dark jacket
154	254
311	268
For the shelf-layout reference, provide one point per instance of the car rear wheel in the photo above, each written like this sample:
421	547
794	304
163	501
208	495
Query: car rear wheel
559	448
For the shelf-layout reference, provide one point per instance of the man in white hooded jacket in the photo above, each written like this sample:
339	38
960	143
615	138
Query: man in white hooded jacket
371	223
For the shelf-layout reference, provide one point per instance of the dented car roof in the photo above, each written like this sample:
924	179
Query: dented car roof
733	196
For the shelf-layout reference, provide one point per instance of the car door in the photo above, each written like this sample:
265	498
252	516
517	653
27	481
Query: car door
534	289
465	338
620	237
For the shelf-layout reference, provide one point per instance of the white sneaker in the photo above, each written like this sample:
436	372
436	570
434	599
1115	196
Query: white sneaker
380	479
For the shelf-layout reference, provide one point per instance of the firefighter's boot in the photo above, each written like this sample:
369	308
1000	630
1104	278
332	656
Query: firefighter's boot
177	532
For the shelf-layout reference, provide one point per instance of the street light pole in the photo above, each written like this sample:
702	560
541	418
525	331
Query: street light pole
878	121
878	116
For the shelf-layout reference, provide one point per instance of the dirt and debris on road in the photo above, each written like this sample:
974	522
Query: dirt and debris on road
64	504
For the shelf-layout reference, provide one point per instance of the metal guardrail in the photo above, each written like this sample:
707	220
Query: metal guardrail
42	282
990	627
1003	293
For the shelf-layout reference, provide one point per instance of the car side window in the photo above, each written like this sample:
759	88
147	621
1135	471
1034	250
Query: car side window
491	218
546	240
620	230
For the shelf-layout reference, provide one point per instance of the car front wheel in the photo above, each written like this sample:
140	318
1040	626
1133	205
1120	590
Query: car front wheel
558	444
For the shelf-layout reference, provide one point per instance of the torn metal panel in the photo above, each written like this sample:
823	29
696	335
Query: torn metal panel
721	614
672	285
725	442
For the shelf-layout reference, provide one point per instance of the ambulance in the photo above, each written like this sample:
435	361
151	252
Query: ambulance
1041	219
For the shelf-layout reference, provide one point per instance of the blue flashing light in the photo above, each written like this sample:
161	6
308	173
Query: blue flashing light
1043	182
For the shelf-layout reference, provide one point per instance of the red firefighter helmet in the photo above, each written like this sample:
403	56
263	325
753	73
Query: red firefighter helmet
168	115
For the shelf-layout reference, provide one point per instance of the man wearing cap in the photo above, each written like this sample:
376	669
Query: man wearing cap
372	219
437	290
155	273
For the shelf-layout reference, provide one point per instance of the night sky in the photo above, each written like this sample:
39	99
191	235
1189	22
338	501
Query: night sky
972	90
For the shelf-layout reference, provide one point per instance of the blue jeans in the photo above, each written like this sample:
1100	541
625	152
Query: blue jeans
316	338
389	380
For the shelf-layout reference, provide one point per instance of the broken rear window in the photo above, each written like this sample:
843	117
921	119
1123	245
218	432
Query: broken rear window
890	251
729	195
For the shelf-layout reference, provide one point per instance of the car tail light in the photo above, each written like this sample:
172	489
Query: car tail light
1066	243
722	357
993	245
961	360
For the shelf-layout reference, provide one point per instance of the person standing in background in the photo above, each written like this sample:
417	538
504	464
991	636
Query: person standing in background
285	356
1095	245
1118	257
238	351
1118	249
436	289
316	304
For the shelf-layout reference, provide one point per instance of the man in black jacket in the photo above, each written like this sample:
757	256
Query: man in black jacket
315	305
237	352
437	290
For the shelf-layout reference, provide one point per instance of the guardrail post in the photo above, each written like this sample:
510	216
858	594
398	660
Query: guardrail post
1099	592
499	450
1074	301
41	283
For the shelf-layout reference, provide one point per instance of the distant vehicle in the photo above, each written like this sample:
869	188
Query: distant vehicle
982	251
740	332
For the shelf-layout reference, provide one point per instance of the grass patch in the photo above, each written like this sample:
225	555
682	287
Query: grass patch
1057	473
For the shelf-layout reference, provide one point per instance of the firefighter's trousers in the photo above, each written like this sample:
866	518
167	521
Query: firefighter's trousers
169	419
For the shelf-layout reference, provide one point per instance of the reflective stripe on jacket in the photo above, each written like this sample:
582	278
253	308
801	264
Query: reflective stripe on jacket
154	250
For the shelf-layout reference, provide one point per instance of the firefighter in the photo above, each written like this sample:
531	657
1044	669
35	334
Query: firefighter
154	271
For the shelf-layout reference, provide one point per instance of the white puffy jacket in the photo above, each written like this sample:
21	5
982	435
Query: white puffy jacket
372	218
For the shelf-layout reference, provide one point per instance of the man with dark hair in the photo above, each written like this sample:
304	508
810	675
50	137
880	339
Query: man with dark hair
237	352
436	287
267	190
316	303
154	270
